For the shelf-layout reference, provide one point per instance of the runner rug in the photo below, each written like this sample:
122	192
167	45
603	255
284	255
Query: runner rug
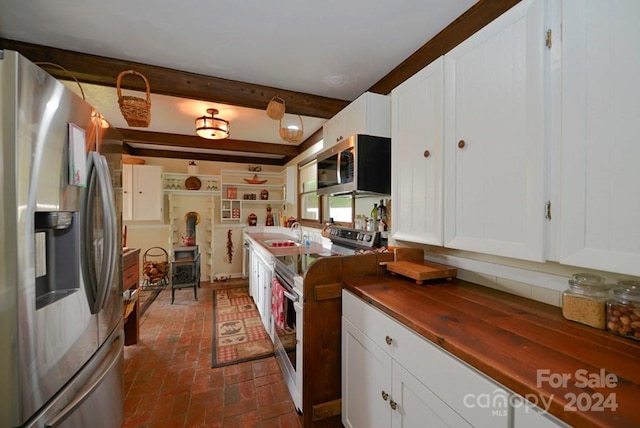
238	333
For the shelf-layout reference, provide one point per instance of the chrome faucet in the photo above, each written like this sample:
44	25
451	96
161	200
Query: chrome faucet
296	225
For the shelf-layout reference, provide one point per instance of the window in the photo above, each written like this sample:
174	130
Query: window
309	200
339	208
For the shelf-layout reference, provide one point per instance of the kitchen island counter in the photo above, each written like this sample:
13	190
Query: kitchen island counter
515	341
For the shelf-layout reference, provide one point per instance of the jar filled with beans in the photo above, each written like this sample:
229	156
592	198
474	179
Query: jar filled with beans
623	310
585	300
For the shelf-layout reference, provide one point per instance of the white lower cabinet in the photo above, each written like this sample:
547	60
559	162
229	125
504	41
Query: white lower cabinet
366	378
393	396
393	377
526	415
260	276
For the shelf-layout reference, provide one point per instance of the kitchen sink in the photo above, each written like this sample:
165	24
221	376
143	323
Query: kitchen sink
281	243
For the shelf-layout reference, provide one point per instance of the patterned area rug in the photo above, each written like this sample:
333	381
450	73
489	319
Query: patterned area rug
238	333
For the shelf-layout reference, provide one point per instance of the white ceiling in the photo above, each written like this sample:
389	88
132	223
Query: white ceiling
299	45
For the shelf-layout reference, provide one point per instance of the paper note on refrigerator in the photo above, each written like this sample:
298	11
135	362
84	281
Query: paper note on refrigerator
77	156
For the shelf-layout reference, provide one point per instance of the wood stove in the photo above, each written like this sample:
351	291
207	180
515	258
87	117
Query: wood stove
186	270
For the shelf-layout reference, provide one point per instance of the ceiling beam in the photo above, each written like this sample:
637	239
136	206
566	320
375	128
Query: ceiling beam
104	71
195	142
170	154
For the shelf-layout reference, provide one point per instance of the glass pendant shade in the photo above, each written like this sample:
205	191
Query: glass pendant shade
211	127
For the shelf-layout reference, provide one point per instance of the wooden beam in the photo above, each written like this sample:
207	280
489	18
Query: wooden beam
455	33
195	142
104	71
313	139
171	154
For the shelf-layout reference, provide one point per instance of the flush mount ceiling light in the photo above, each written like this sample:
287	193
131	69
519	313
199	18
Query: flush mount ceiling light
211	127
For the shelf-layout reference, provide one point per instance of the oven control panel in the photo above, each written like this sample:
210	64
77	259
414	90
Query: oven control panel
355	238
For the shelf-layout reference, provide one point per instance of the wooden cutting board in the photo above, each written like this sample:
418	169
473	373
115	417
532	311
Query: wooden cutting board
421	270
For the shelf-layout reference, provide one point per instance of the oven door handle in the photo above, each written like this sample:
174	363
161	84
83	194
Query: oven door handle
291	296
286	288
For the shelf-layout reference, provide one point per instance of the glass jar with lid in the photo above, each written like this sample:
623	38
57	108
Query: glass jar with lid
585	300
623	310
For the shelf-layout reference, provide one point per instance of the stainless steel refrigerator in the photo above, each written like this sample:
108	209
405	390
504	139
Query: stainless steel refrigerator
61	337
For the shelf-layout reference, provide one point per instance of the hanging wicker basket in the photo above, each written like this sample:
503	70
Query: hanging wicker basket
292	135
136	110
276	108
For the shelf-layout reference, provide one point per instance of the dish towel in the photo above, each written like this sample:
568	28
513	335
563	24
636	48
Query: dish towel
277	303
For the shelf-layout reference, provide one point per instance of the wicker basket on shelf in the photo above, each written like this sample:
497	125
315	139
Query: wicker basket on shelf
136	110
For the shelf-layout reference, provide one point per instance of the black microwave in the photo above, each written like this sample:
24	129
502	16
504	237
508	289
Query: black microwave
360	164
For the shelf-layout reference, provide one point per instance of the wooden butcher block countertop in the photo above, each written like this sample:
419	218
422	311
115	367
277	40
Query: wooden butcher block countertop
509	338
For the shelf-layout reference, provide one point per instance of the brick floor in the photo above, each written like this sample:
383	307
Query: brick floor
169	381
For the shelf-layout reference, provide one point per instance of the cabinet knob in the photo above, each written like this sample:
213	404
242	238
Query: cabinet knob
426	153
393	404
388	340
461	144
385	396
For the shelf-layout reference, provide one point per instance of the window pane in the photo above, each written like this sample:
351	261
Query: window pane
339	208
307	177
309	206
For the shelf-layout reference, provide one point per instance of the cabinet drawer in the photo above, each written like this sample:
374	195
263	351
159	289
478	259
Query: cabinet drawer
456	383
130	259
130	277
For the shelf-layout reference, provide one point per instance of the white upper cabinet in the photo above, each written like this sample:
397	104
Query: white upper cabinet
600	217
417	133
142	192
494	133
368	114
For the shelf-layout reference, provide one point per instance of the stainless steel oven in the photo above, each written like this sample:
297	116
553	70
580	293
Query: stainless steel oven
286	319
289	273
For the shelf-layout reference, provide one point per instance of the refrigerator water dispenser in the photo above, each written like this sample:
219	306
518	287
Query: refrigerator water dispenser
57	256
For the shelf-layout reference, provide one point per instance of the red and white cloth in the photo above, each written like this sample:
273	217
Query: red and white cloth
277	303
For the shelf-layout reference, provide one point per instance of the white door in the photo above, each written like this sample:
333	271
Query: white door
495	137
417	133
147	192
601	124
366	380
416	406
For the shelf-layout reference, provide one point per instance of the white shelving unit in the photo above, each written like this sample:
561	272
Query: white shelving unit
236	193
174	183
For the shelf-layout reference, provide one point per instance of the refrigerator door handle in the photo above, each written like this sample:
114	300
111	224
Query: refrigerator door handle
88	263
114	355
110	232
98	287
